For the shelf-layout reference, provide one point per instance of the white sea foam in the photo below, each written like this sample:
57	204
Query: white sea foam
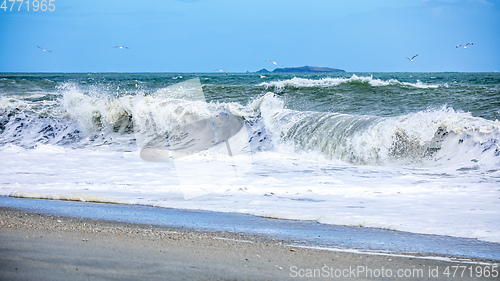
82	197
423	137
271	184
331	82
433	171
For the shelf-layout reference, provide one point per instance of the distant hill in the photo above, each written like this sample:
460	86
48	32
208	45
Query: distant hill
263	71
301	69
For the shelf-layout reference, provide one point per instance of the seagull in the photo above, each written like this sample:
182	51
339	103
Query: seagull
263	76
465	46
275	63
220	70
412	57
44	49
119	47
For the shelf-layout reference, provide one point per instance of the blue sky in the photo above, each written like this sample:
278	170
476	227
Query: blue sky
238	36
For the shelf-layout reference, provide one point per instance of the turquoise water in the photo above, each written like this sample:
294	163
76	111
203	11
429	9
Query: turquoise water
477	93
418	152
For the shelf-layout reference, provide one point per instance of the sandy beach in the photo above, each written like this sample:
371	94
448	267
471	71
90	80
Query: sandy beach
37	246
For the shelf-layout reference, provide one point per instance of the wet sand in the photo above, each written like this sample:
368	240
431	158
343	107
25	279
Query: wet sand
35	246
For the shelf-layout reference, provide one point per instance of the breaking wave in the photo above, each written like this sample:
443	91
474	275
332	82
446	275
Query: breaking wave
297	82
80	119
421	137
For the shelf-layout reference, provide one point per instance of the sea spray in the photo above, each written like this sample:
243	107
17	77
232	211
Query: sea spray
407	139
298	82
369	150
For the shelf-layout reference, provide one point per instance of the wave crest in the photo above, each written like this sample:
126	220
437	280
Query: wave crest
423	137
332	82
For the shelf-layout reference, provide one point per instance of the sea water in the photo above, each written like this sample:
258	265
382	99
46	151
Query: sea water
416	152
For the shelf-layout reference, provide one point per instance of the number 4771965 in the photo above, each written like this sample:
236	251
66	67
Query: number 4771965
33	5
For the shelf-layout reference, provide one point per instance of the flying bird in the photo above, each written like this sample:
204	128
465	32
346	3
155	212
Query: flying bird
465	46
263	76
44	49
220	70
411	59
119	47
275	63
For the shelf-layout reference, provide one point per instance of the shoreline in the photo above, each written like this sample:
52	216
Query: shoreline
308	234
37	245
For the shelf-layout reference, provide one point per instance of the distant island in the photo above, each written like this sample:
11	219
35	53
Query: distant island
301	69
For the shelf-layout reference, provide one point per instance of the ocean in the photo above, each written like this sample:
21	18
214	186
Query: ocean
414	152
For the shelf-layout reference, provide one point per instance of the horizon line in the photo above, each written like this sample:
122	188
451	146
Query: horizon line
242	72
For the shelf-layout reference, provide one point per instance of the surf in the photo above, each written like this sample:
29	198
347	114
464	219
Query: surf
440	135
298	82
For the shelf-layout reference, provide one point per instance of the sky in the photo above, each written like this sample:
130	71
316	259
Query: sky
238	36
